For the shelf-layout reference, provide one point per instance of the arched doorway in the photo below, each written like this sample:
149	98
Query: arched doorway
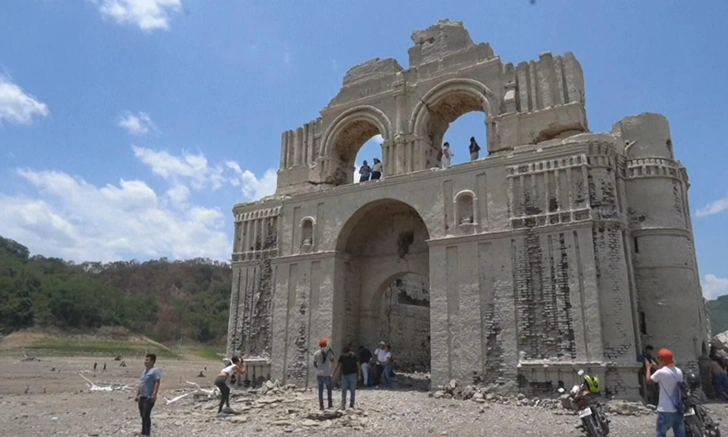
386	282
346	136
443	105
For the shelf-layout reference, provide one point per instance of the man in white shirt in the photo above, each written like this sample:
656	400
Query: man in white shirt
669	378
380	356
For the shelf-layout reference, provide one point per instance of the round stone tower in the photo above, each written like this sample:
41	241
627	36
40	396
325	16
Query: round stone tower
670	301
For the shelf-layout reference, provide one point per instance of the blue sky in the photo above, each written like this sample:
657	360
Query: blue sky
129	128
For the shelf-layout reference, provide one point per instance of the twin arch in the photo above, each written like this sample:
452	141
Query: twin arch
418	120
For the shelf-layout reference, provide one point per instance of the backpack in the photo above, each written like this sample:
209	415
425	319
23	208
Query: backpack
682	393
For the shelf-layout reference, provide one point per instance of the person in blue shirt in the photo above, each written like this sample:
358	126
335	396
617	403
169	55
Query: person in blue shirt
147	392
649	391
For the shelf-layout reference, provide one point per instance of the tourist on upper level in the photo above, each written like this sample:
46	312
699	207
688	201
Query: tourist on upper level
236	367
377	169
474	149
365	172
322	360
446	155
348	363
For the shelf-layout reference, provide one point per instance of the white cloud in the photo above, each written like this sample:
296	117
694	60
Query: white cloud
137	124
179	194
189	168
199	173
71	218
714	207
16	106
148	15
80	221
252	187
714	287
378	139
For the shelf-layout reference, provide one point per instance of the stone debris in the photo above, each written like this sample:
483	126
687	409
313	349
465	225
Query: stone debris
492	394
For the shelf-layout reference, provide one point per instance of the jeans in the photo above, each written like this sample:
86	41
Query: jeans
145	410
365	374
720	385
324	381
674	421
388	376
364	177
348	382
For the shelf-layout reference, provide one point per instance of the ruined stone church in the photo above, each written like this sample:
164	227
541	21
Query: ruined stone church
561	249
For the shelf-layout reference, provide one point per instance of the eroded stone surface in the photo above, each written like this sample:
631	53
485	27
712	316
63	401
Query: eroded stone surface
561	250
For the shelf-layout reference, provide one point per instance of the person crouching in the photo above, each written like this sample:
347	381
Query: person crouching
238	367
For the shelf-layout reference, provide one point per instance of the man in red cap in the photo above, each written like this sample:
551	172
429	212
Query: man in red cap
669	407
322	360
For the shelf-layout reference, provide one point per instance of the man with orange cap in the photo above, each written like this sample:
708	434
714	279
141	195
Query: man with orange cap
669	408
322	361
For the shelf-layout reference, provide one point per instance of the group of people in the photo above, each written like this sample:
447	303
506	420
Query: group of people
444	156
367	368
354	368
373	173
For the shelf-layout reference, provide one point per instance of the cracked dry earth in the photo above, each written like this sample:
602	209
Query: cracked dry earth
280	412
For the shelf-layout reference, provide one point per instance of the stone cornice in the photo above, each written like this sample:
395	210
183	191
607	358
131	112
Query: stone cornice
672	232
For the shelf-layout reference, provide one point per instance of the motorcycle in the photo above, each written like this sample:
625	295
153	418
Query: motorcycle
594	420
697	420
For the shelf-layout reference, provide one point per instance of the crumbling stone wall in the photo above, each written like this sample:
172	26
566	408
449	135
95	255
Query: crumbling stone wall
404	316
578	244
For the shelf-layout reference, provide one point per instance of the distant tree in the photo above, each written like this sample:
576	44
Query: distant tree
14	249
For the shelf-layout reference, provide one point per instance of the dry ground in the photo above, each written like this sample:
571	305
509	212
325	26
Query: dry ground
58	402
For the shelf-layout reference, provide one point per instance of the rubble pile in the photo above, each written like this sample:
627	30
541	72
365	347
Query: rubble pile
504	395
273	405
490	393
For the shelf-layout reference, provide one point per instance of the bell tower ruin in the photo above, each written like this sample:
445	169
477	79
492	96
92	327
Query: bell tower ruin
561	249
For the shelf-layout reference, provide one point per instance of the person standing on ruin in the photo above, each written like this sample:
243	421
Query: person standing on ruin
446	156
669	377
350	374
236	367
377	169
364	172
322	360
474	149
147	392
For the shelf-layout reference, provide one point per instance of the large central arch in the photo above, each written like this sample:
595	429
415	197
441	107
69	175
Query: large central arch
386	273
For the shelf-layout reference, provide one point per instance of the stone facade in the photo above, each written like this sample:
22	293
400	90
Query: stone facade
561	249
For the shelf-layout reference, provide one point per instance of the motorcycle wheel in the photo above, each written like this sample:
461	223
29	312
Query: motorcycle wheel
693	428
591	427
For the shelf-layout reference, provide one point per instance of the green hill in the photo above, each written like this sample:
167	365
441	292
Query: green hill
160	299
719	315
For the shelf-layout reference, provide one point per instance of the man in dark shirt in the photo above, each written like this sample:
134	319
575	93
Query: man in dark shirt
649	391
350	372
365	357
